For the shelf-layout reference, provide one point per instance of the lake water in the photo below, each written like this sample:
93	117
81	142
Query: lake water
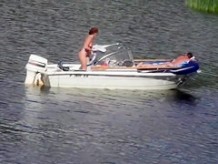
77	126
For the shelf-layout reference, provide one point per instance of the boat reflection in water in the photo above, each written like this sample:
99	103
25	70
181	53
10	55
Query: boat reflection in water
182	97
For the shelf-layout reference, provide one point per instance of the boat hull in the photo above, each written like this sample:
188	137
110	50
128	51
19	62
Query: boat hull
111	81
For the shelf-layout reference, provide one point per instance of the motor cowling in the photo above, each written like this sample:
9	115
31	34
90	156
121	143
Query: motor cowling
36	64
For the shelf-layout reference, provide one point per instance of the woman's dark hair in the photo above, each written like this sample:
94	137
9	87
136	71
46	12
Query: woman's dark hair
190	55
93	30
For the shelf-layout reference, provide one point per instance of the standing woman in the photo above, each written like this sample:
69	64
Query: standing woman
85	52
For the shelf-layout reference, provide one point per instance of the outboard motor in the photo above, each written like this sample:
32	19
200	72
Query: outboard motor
35	66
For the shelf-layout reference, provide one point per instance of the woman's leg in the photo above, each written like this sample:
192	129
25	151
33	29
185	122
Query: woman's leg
83	60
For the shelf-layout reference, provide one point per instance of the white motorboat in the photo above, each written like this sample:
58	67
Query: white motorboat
111	67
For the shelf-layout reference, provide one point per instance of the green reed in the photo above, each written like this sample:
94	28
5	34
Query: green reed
203	5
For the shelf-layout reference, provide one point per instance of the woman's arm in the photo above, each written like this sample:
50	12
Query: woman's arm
88	43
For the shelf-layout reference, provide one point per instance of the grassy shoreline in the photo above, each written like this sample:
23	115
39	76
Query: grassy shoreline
210	6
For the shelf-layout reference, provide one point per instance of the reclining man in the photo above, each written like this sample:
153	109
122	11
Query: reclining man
178	62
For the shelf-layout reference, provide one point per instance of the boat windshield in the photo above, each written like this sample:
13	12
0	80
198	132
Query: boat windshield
114	55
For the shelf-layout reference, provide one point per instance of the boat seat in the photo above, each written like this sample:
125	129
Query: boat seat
126	63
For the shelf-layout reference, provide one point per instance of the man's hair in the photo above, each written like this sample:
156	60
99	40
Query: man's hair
190	55
93	30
